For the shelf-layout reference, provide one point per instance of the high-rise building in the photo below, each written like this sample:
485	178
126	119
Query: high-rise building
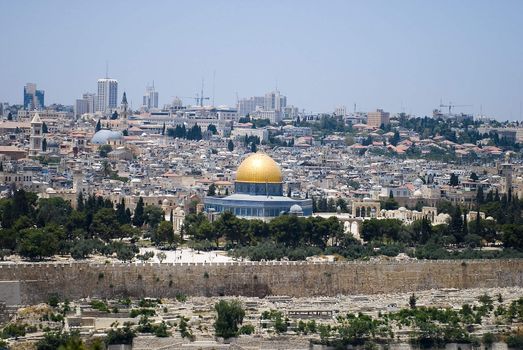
81	106
33	98
249	105
378	118
340	111
274	101
271	106
150	98
91	101
86	104
107	95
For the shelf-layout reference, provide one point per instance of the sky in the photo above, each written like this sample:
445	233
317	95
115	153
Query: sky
399	55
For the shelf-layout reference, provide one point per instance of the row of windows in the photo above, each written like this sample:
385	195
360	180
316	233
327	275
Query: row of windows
259	189
255	212
17	178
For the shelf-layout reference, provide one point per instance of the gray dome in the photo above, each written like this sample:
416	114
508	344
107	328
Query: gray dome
102	136
296	210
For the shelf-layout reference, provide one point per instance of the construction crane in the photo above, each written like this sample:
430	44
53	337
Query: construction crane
450	106
199	97
198	100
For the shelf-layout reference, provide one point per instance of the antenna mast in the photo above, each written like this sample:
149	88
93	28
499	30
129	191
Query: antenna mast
213	85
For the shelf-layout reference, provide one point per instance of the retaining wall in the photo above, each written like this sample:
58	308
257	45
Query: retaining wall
298	279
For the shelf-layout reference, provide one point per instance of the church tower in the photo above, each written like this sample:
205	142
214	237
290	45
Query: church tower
36	136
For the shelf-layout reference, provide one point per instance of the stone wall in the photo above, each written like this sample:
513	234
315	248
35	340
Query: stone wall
300	279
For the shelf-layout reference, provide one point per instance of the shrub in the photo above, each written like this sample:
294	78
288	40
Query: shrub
246	329
53	300
229	315
120	336
180	297
100	306
142	311
14	330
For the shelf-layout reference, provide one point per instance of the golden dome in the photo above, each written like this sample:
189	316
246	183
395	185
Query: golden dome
259	168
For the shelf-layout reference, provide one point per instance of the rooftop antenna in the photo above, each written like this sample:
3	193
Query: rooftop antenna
106	70
213	85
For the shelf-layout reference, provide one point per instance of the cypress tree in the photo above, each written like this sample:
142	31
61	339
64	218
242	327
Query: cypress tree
138	218
80	202
120	213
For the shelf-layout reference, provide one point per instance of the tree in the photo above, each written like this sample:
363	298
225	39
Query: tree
229	315
120	336
395	139
474	176
456	224
253	147
480	197
423	230
122	214
161	256
212	190
53	210
454	180
45	130
104	150
287	229
37	243
105	225
164	233
114	116
106	168
81	249
412	301
163	129
80	202
230	227
44	145
10	116
153	215
230	146
206	231
98	126
212	128
138	218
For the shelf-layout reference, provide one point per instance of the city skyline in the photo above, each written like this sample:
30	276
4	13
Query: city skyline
404	56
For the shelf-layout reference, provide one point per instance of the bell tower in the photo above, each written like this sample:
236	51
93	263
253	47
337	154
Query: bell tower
36	136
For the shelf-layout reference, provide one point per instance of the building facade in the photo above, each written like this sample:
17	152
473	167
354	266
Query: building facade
33	98
378	118
150	98
107	95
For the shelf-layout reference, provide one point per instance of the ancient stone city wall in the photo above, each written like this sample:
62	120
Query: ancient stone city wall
300	279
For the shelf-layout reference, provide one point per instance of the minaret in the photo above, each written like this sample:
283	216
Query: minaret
123	111
78	178
506	171
36	136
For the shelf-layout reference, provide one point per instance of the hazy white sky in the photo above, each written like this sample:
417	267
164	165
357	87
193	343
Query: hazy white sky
398	55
